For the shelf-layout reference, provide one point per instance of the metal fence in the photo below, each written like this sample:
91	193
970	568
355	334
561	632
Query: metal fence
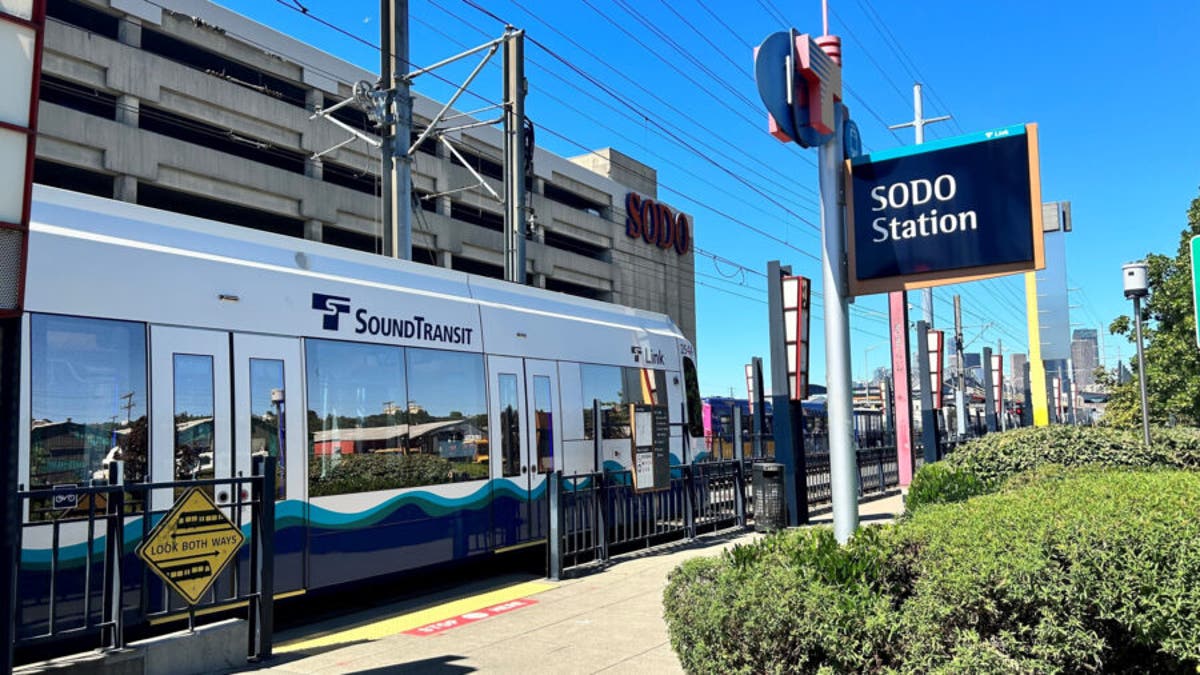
78	575
595	515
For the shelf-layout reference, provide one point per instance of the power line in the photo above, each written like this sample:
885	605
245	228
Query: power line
631	117
903	57
563	137
679	140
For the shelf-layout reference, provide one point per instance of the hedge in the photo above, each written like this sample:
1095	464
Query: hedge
982	465
1061	571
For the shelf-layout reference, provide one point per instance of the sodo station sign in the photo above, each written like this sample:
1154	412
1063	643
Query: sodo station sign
946	212
191	545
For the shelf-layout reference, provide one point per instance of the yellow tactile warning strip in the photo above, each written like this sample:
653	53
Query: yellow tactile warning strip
376	629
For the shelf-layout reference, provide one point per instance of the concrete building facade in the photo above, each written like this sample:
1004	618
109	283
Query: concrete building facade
1016	373
186	106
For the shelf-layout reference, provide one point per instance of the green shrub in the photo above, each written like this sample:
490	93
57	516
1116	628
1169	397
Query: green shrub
793	602
1062	570
942	483
995	458
1180	445
1066	572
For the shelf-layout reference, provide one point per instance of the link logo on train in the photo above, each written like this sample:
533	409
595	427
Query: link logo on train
945	212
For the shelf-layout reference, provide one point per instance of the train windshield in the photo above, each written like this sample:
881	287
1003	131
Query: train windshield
695	409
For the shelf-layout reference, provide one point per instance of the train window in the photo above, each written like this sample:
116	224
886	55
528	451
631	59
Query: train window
510	425
644	385
266	416
692	391
543	420
193	409
357	418
604	384
88	404
447	414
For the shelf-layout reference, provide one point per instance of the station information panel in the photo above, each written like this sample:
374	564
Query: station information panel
650	447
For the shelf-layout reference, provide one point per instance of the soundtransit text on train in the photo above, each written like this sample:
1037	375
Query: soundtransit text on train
415	328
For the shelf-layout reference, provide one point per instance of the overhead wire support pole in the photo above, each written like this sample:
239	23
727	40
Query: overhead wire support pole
960	395
514	155
397	130
918	124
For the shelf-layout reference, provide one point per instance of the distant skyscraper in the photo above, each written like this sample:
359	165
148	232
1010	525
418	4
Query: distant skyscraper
1017	374
1123	374
1054	314
1085	357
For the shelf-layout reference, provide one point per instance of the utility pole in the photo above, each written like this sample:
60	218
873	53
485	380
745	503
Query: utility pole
918	124
960	394
989	398
514	156
127	406
929	429
396	131
1003	410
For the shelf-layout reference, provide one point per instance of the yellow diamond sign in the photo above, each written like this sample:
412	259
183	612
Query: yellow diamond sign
191	545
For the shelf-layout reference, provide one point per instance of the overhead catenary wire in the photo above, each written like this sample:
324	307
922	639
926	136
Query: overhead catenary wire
305	12
629	116
616	96
655	97
684	195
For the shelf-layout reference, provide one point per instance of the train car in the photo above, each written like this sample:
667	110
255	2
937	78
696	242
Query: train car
415	411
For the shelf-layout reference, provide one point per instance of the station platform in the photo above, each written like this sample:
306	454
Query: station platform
606	619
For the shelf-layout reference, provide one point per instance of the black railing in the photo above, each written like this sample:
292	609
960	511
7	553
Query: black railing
78	574
594	515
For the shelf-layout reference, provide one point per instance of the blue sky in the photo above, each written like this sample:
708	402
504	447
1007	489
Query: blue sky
1113	87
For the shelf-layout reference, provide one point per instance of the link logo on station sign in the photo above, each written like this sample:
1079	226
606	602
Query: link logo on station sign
945	212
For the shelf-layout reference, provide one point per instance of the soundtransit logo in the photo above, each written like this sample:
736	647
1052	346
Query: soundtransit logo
333	305
365	323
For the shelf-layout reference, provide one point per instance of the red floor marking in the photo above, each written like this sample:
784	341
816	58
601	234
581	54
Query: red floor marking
470	617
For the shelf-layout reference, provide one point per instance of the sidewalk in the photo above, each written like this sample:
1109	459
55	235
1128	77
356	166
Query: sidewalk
608	620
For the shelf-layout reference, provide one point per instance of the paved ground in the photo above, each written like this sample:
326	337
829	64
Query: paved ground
607	620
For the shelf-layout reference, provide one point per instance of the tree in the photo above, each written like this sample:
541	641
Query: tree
1169	329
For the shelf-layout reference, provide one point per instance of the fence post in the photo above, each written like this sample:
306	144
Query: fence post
556	561
739	474
113	635
858	463
601	487
262	615
879	459
601	511
689	512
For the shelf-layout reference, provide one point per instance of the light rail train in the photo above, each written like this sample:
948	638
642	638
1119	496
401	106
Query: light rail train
415	411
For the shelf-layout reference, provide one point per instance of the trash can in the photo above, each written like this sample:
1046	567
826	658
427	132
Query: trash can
769	512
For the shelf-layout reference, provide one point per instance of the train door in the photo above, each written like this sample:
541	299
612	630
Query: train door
190	435
544	449
509	439
268	419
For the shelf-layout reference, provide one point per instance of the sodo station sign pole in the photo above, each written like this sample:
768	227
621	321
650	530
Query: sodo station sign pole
799	79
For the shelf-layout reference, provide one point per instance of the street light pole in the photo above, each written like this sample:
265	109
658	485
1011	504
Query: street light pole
1136	288
1137	316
